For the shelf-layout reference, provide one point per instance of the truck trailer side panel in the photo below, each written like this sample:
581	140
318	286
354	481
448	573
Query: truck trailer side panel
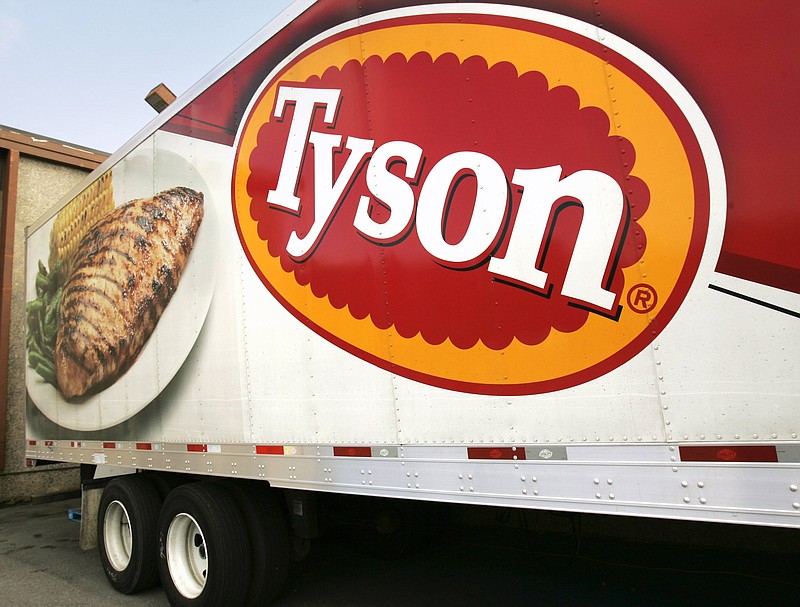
513	254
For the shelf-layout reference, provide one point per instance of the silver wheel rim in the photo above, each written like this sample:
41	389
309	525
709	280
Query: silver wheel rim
187	558
117	536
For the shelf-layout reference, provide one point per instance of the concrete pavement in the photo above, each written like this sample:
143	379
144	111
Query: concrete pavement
41	563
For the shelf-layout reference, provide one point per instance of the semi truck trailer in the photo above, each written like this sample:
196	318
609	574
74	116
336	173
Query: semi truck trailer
535	255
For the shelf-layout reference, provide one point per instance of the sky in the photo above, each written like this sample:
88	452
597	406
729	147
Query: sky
79	70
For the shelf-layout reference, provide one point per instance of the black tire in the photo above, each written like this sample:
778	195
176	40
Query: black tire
165	482
268	530
204	553
127	533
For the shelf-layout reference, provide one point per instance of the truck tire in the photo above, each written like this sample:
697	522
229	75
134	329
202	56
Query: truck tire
165	482
127	530
268	529
204	553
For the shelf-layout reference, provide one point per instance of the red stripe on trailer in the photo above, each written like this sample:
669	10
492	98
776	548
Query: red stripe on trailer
109	445
495	453
49	443
197	448
352	451
269	449
144	446
729	453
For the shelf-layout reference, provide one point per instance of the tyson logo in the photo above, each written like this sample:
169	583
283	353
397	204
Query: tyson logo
491	202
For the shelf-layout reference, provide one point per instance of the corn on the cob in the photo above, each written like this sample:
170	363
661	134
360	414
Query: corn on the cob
75	219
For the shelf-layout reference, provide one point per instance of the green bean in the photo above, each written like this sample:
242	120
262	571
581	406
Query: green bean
34	306
48	350
34	342
46	364
55	274
51	314
42	321
35	358
33	323
42	284
40	327
48	373
50	333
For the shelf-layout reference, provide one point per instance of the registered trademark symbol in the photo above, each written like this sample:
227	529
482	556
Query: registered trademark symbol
642	298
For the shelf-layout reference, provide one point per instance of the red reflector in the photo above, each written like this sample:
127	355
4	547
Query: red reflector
197	448
31	443
269	449
109	445
49	443
728	453
144	446
353	451
495	453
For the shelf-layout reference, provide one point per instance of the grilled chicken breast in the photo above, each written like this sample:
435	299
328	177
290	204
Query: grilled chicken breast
125	271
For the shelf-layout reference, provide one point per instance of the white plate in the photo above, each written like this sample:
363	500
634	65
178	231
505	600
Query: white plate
179	325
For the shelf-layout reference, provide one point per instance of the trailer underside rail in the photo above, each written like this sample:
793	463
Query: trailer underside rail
692	482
